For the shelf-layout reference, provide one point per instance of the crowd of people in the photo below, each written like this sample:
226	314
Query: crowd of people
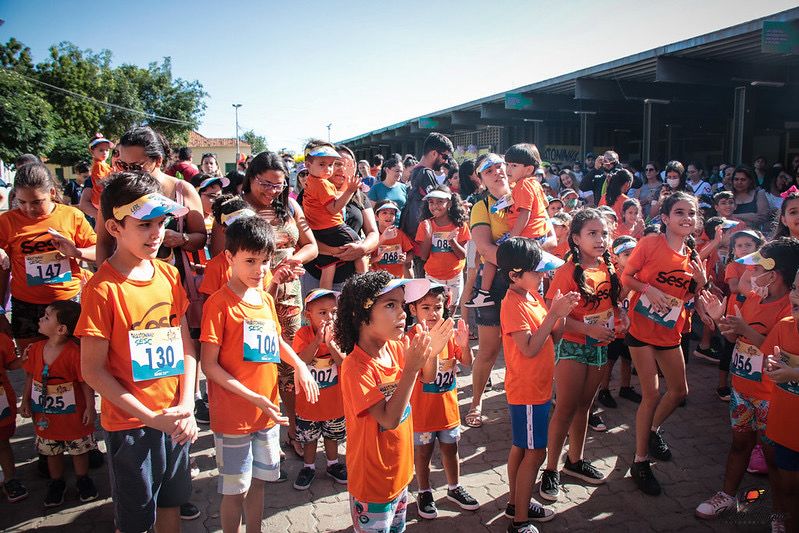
339	298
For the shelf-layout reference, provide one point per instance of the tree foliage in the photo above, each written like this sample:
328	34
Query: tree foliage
77	93
256	142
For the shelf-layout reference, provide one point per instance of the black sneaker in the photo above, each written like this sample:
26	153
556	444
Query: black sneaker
426	505
708	354
86	489
536	512
596	423
462	498
606	399
724	393
189	511
96	458
550	485
629	393
304	478
55	493
201	414
15	490
583	470
338	472
644	478
524	527
282	478
658	447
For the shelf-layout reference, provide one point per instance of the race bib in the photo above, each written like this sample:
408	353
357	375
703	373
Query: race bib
389	254
47	268
156	353
747	361
58	400
792	361
441	241
5	408
605	318
668	319
324	372
260	341
503	203
445	378
388	391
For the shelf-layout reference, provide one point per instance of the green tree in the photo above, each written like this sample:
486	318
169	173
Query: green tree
256	142
26	119
68	150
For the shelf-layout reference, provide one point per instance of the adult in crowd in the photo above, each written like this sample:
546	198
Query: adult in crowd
408	164
359	215
567	179
696	182
363	168
551	177
778	180
377	164
470	187
593	180
184	168
648	192
437	150
210	165
751	204
453	177
588	163
760	166
675	181
487	228
389	186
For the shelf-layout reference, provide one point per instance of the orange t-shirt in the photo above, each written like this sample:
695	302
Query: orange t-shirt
39	275
224	315
100	170
435	405
783	411
528	194
386	256
658	265
442	263
8	397
598	280
528	380
113	306
217	273
326	372
734	270
617	206
318	193
561	249
65	411
379	461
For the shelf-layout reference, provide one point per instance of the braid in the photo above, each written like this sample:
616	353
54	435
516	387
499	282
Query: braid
691	244
579	276
615	286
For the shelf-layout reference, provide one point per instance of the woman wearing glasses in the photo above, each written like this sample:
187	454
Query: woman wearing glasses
650	189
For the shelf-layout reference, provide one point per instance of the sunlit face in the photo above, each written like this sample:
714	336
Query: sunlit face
248	266
209	165
593	238
429	309
516	171
321	167
554	207
631	214
100	152
208	195
495	180
438	207
48	324
682	218
744	246
567	181
139	238
343	168
35	203
394	173
791	217
725	207
135	159
387	216
528	281
621	259
386	317
267	186
321	310
561	232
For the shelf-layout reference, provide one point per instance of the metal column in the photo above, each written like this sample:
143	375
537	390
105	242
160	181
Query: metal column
586	137
646	144
738	115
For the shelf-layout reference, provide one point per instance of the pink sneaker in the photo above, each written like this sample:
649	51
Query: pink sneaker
757	462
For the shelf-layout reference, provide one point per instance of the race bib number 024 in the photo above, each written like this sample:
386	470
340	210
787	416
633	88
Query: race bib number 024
156	353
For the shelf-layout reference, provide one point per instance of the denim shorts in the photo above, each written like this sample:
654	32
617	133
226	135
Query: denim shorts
489	315
444	436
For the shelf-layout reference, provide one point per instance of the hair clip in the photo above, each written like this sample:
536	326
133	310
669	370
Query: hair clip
368	303
516	269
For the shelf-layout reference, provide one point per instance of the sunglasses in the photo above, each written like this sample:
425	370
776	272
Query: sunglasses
650	170
209	154
271	186
129	167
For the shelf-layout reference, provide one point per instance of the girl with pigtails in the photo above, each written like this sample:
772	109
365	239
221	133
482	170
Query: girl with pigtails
664	271
583	350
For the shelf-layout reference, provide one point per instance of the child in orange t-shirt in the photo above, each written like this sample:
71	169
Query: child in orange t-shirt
137	353
62	404
442	236
435	405
241	346
13	488
528	330
323	204
631	221
394	249
619	184
583	351
377	379
99	147
561	223
315	346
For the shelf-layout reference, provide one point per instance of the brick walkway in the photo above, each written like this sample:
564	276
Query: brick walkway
698	435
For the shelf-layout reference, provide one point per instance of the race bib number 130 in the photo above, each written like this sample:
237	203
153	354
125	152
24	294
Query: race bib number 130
156	353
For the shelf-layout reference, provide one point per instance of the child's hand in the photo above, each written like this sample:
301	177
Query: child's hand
417	351
719	234
390	233
353	183
440	334
304	381
778	371
699	272
624	321
167	420
733	324
600	332
461	334
25	408
562	304
89	415
64	245
660	302
272	411
327	332
713	307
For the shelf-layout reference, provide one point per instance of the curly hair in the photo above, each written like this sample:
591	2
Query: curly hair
457	213
586	293
785	252
226	204
264	162
351	313
782	229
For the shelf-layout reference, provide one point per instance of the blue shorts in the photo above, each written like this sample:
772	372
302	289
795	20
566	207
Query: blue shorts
379	517
786	458
147	470
445	436
239	458
530	425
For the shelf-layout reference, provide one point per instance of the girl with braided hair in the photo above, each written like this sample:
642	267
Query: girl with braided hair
583	350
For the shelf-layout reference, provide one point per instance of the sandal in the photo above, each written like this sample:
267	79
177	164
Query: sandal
474	418
294	444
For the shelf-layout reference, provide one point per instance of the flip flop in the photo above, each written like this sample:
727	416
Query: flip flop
474	418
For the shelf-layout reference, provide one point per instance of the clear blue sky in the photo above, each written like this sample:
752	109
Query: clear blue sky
297	66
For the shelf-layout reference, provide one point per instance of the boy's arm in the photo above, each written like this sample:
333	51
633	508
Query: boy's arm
521	222
353	183
309	351
303	380
529	343
426	244
25	406
85	203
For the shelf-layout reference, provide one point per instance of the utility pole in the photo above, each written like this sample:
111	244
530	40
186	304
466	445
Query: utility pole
328	131
238	153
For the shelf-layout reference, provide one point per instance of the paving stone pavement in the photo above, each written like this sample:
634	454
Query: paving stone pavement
698	434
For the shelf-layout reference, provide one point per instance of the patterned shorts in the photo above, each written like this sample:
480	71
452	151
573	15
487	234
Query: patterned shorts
582	353
285	372
747	413
240	458
70	447
310	430
379	517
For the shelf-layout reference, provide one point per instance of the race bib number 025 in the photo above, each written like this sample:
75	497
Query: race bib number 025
59	399
156	353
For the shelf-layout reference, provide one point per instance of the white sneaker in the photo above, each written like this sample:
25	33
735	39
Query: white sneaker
481	299
712	508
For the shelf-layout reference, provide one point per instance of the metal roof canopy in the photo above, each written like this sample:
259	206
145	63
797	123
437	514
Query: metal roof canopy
715	62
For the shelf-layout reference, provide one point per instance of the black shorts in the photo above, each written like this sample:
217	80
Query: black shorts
617	349
147	471
490	315
25	319
632	342
335	236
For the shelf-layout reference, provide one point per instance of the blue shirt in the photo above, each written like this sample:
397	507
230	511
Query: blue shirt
397	194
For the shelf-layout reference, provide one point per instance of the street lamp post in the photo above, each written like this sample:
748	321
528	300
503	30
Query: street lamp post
238	153
328	131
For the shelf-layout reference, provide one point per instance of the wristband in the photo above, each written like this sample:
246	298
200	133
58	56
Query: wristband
646	287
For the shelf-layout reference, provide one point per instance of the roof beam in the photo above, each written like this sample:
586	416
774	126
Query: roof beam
717	73
537	101
631	91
